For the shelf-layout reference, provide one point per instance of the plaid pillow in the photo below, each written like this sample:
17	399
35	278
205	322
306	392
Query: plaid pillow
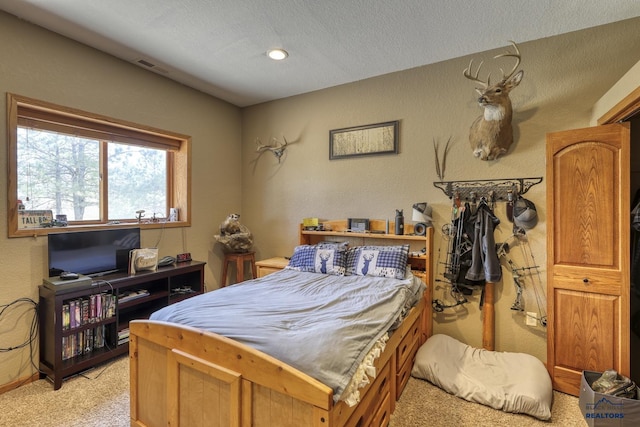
380	261
325	259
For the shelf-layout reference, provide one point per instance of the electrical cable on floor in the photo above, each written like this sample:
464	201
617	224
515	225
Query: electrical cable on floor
84	373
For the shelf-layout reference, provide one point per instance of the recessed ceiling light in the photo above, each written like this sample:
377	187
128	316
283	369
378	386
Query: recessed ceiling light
277	54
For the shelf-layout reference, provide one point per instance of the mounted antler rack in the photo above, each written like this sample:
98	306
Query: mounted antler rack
501	189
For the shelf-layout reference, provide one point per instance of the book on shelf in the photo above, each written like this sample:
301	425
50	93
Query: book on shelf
123	336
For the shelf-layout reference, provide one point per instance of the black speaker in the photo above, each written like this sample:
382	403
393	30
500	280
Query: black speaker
420	229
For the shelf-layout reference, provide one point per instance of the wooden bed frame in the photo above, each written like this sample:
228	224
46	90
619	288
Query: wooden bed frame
185	376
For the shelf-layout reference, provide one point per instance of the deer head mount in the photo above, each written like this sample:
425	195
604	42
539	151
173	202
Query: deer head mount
491	134
276	147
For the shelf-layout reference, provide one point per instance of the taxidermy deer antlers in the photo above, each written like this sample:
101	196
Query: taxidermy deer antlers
491	134
277	148
441	167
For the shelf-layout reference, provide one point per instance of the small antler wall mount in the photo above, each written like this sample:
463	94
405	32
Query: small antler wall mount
276	147
491	134
441	165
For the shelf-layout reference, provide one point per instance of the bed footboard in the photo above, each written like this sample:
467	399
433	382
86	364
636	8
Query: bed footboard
182	376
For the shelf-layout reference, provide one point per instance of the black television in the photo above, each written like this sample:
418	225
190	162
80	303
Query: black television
92	253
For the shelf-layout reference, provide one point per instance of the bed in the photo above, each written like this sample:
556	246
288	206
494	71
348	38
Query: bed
227	371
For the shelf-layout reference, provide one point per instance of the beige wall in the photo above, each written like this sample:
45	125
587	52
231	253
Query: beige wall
43	65
627	84
564	77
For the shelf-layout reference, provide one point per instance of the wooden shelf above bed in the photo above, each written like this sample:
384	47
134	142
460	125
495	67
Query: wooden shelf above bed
377	229
368	235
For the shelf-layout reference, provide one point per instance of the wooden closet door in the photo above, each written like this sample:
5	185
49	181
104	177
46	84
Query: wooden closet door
587	253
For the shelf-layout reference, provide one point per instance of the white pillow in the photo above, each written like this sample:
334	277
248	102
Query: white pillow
512	382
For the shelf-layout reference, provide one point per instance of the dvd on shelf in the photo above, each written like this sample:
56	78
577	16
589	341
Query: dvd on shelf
81	311
83	342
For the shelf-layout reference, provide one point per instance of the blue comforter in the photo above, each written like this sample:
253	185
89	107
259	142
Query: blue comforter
323	325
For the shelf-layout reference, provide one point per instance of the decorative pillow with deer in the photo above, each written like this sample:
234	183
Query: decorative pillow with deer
325	259
379	261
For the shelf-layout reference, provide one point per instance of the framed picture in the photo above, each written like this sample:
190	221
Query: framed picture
380	138
358	225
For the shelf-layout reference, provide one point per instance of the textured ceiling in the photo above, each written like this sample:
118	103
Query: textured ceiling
219	46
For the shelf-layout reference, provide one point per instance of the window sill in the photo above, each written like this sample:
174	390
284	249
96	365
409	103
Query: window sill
144	225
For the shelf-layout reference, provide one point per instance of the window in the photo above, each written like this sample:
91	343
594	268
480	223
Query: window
91	170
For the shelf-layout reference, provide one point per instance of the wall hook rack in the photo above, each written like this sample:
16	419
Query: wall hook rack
500	189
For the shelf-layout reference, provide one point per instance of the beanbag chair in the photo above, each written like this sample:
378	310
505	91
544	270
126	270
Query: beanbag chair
511	382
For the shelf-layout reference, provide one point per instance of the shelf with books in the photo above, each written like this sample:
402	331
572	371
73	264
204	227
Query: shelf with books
95	332
87	340
79	313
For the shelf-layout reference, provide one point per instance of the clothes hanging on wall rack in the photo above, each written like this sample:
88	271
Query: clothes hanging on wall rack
473	258
485	264
459	249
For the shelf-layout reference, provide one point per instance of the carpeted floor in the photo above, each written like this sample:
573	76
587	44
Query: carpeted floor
100	397
423	404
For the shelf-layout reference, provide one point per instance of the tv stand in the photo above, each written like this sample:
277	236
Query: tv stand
81	328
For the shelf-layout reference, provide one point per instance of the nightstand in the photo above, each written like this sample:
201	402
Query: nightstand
271	265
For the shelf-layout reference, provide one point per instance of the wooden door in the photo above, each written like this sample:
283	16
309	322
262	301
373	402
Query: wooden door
587	253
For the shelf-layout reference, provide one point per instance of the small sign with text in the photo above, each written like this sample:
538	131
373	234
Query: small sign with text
33	219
